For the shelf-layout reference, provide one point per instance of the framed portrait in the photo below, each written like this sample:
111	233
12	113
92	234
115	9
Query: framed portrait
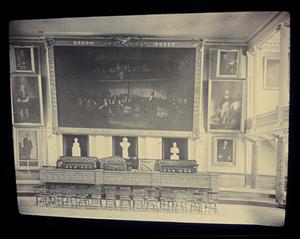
23	59
224	150
26	98
228	62
226	105
27	148
271	73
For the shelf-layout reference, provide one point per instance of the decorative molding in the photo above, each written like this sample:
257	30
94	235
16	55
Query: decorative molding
27	40
268	135
224	42
50	42
53	100
268	30
126	41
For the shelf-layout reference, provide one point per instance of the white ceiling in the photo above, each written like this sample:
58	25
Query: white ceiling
237	25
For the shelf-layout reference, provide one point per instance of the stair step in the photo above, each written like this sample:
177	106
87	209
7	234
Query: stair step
248	202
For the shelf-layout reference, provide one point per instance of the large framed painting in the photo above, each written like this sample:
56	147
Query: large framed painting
271	73
27	148
141	86
224	150
228	62
23	59
226	105
27	105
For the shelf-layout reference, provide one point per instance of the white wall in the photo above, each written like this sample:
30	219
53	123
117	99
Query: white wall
266	164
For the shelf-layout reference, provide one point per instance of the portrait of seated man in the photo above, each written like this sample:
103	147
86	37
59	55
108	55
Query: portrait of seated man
225	150
228	63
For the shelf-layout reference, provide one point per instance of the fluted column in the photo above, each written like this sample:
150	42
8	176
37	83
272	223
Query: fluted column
255	156
280	171
284	69
256	80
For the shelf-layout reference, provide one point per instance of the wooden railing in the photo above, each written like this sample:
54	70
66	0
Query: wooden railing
268	118
148	179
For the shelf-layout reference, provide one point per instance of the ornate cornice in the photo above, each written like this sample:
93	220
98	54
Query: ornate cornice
225	42
271	28
27	40
50	42
268	135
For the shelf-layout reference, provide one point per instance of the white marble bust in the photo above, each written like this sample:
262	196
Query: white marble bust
76	151
174	151
125	146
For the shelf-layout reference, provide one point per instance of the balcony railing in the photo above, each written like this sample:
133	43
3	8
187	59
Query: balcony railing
268	118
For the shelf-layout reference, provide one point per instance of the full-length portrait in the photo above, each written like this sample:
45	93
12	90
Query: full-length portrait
27	145
225	105
26	99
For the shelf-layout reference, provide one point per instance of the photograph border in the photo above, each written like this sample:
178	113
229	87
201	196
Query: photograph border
41	123
220	50
31	59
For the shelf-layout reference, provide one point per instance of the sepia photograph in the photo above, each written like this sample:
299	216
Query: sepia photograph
163	118
26	99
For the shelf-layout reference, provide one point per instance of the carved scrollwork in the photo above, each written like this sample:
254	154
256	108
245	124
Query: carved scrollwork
50	42
195	134
56	131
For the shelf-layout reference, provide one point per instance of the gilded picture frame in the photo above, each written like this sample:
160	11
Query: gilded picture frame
27	148
228	63
226	106
23	59
26	100
128	43
224	148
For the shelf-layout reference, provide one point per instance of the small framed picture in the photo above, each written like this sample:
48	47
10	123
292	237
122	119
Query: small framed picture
228	63
27	148
271	73
23	59
26	98
224	150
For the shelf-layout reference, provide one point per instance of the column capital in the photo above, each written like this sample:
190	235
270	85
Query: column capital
258	137
282	25
280	134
